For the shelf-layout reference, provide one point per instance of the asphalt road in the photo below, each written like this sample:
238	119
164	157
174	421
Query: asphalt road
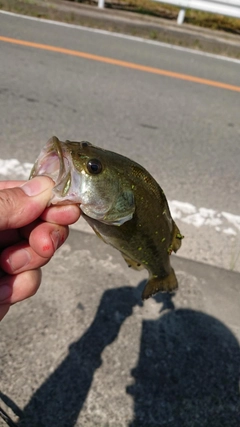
185	133
85	351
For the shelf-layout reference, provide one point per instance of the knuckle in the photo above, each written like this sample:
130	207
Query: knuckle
11	207
6	201
7	204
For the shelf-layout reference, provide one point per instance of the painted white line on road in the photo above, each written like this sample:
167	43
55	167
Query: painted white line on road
124	36
221	222
12	167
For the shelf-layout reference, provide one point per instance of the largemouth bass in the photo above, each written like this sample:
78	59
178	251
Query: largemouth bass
120	200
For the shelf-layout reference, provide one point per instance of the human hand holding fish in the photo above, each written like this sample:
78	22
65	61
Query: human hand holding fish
120	200
30	232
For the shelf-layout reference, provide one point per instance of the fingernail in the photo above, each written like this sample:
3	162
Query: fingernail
55	236
19	259
37	185
5	292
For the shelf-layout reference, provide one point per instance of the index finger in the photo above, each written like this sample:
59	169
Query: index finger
61	214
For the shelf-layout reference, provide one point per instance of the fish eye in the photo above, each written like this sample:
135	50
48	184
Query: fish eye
94	166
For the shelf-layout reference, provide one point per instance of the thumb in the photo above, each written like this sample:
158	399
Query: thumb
20	206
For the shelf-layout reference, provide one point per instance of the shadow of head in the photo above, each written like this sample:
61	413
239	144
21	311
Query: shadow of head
188	370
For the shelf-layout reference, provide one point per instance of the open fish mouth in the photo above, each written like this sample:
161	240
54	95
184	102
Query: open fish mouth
55	162
50	162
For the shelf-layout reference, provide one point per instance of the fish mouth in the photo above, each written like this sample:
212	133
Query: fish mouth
50	162
55	162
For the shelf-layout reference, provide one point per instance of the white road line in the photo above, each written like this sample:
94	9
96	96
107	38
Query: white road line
12	167
221	222
124	36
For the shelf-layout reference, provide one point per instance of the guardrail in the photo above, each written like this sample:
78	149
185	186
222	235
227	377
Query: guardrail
220	7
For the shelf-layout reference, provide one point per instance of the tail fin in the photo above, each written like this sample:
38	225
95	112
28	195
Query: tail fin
158	284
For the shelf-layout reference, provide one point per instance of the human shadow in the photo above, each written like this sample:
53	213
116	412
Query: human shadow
59	400
187	373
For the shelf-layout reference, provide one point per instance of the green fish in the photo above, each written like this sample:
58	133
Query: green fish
120	200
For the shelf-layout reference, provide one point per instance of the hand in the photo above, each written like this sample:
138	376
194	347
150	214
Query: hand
29	235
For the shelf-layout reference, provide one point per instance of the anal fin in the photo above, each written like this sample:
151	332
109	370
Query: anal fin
131	263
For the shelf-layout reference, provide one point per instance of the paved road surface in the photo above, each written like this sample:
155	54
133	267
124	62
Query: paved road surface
186	134
85	351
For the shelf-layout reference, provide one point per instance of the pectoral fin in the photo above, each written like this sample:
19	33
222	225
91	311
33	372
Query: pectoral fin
122	209
116	212
157	284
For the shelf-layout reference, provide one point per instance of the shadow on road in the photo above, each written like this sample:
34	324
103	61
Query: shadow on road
58	402
187	372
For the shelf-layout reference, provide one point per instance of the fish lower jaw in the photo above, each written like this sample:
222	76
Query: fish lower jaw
59	199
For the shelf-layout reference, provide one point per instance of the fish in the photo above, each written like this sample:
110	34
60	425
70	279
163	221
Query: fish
122	203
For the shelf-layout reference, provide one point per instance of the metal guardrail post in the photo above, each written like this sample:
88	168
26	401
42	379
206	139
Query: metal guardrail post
181	16
101	4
